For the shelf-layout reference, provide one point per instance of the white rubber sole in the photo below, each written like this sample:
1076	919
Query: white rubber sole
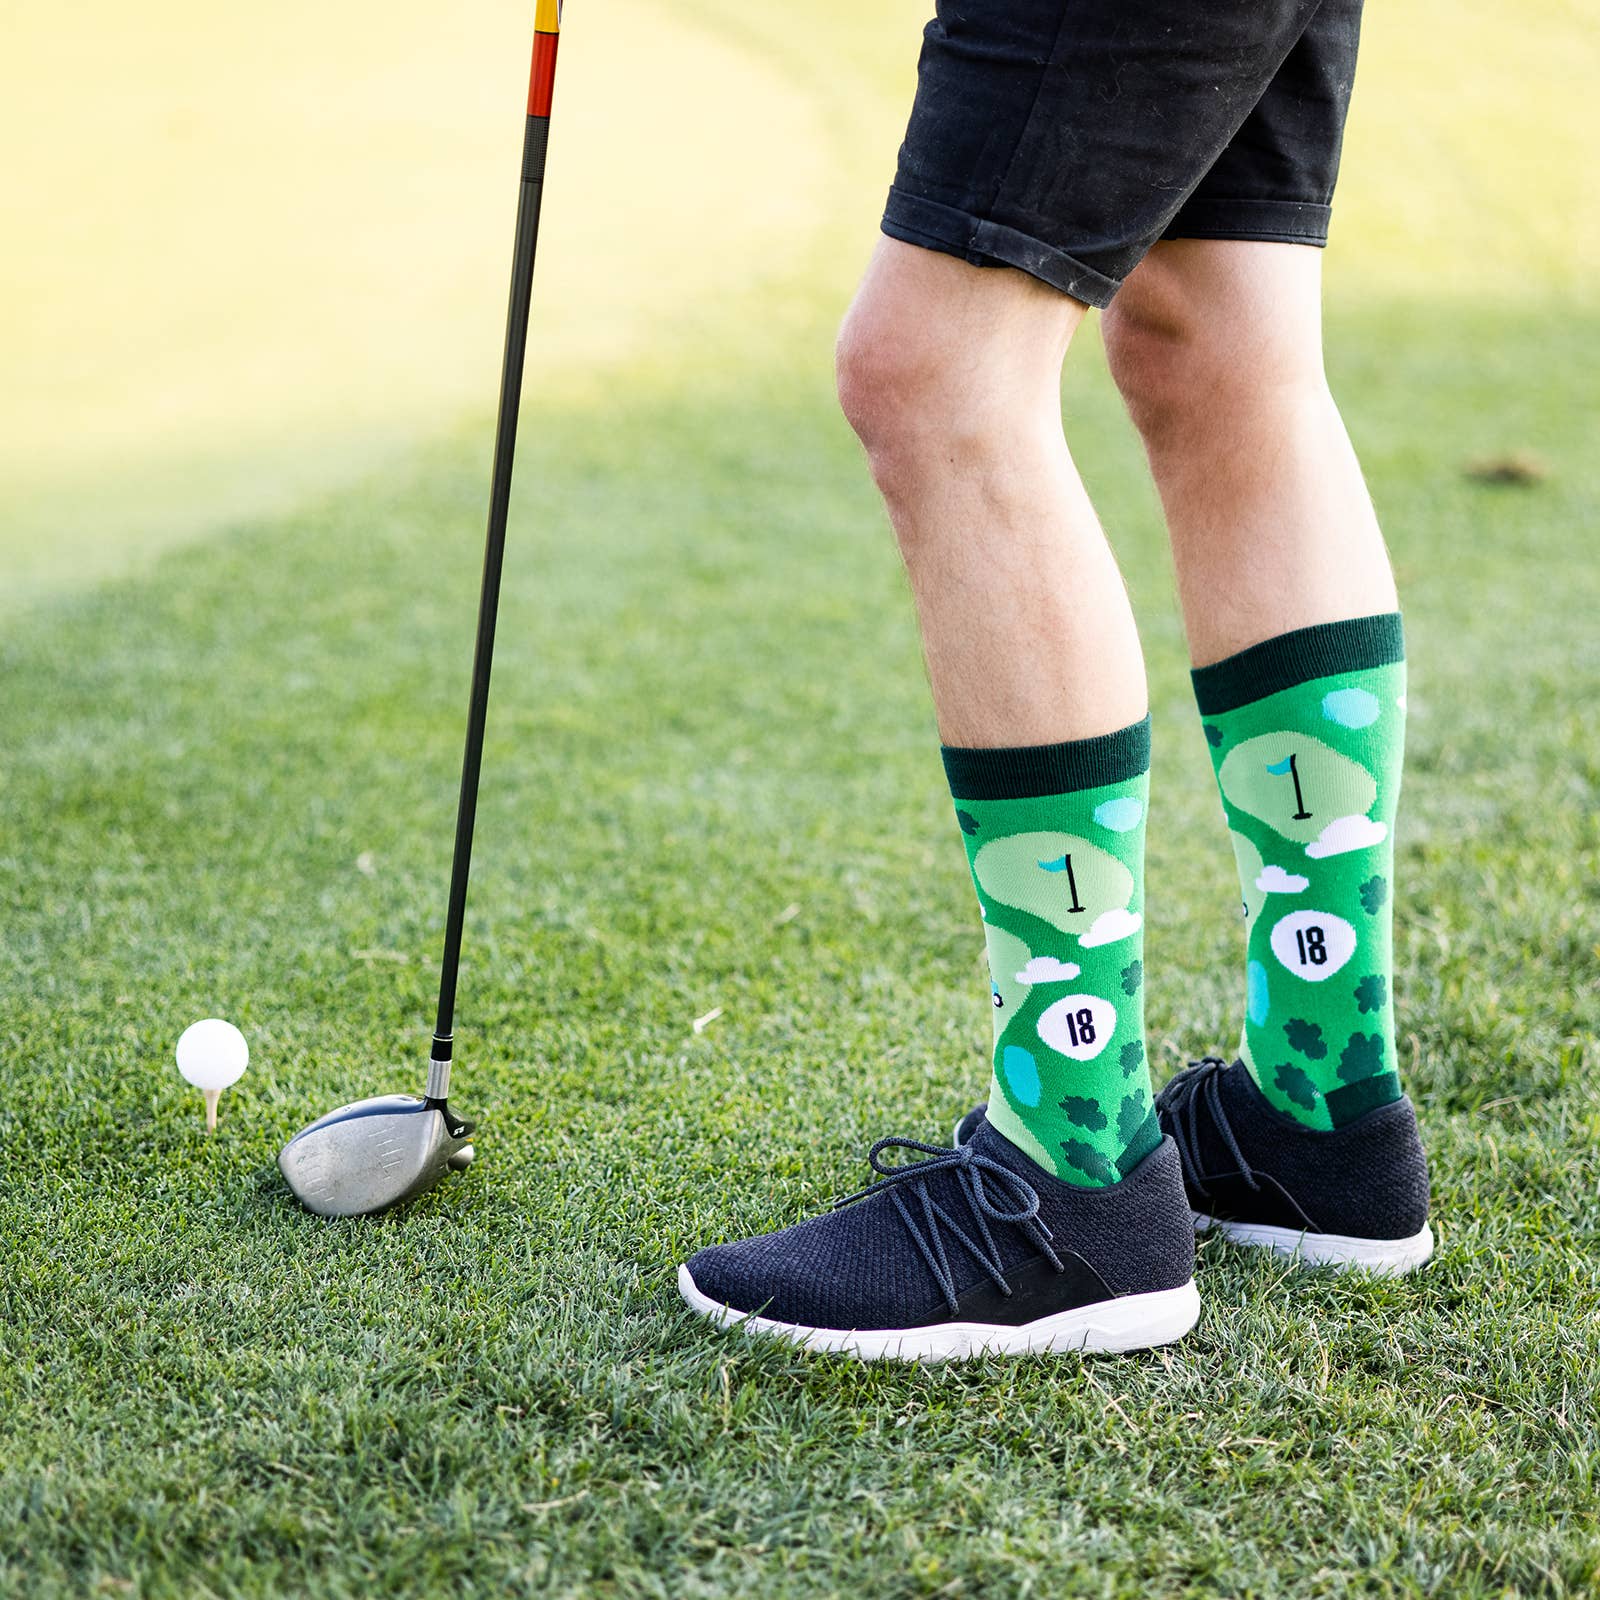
1344	1251
1134	1322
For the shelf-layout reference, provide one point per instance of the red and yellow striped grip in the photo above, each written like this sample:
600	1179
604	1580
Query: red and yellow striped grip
542	76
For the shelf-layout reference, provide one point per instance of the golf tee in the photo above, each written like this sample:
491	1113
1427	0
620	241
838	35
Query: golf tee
212	1096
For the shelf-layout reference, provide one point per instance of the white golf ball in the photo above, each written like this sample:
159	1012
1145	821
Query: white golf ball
212	1054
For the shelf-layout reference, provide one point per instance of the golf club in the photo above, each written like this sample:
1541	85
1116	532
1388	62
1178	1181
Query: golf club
372	1154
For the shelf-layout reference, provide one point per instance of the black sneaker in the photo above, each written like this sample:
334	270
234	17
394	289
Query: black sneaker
969	1125
1353	1197
969	1252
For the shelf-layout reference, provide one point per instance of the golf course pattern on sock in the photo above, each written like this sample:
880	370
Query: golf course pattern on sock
1307	734
1055	839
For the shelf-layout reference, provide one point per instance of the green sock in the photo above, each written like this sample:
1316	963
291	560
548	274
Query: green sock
1055	839
1307	732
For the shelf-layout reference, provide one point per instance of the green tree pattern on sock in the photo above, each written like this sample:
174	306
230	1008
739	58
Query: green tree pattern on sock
1310	778
1060	879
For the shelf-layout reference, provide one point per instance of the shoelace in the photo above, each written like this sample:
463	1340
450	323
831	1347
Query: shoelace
1198	1084
974	1172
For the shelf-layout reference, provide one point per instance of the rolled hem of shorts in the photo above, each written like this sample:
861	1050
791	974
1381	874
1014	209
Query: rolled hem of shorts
914	220
1267	221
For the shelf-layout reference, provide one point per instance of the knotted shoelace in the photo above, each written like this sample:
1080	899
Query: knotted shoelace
986	1183
1198	1085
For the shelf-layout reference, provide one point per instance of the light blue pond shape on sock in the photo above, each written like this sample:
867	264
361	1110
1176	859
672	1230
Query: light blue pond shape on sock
1257	1002
1350	708
1021	1073
1120	815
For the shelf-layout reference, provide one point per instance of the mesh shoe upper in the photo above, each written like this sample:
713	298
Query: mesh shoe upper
967	1127
1244	1161
861	1266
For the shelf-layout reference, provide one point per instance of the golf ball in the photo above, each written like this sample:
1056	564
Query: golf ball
212	1054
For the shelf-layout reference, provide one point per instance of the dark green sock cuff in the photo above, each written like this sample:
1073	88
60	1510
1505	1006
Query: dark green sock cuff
1294	658
1354	1100
1026	772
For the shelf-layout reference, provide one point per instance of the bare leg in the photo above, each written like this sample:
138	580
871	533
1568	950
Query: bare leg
951	376
1217	348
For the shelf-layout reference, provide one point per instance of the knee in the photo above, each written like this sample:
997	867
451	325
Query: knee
876	391
895	391
1162	362
923	406
1183	372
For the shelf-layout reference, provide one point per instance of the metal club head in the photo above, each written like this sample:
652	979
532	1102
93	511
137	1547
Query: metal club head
372	1154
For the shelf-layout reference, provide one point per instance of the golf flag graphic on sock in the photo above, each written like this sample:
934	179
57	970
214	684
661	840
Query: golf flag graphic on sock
1055	839
1306	734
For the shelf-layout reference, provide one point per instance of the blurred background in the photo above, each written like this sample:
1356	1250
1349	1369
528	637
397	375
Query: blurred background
251	254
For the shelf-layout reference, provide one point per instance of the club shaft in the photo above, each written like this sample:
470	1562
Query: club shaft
527	238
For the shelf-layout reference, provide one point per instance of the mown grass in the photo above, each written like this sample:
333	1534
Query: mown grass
227	784
227	788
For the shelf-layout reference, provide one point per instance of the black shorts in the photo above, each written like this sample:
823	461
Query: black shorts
1065	137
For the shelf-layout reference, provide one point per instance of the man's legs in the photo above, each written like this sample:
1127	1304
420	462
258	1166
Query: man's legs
1216	345
1060	141
1061	1224
1290	607
951	376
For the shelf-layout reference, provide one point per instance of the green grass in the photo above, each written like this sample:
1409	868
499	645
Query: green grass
227	783
709	710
